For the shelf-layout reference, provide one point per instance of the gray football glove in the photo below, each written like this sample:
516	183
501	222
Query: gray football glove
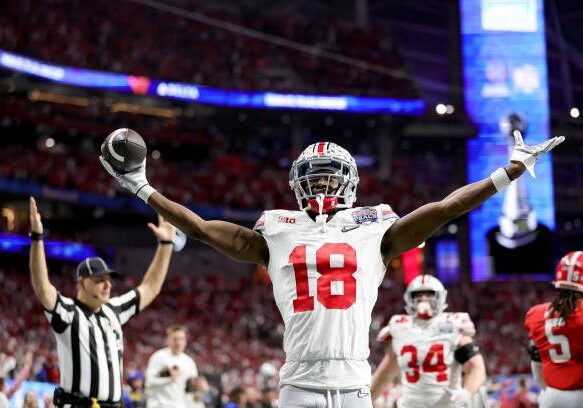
528	155
135	181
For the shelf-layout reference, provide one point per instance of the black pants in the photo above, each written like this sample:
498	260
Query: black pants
102	404
61	398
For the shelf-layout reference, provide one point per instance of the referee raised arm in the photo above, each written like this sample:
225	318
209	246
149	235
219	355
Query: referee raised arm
88	328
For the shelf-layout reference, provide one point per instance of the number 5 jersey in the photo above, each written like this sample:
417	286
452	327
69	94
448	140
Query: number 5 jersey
325	282
560	343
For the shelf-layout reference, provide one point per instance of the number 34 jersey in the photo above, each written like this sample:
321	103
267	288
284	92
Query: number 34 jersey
325	282
425	354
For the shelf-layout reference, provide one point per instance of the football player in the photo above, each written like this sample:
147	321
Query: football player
327	260
430	348
556	333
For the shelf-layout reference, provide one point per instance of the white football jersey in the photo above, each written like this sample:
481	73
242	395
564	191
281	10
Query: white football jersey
325	283
425	353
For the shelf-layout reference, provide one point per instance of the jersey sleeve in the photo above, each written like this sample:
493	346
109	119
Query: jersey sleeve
386	333
528	320
464	324
260	223
387	214
61	316
126	306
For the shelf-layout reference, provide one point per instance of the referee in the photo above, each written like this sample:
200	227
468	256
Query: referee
88	329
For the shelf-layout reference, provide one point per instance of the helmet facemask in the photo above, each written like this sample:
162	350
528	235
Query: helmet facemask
425	297
425	304
324	181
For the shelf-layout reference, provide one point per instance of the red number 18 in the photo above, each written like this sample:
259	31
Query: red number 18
343	271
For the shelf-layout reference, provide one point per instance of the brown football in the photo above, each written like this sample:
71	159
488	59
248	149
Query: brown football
124	149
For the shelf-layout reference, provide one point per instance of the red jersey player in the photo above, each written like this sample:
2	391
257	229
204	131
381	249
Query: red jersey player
556	333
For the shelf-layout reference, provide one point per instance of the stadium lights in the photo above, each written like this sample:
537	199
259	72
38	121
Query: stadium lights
574	112
49	142
144	110
9	215
443	109
40	96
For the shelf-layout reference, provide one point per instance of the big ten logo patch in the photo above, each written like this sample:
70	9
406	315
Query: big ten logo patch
365	215
286	220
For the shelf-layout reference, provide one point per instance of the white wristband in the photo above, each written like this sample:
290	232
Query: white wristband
500	179
145	192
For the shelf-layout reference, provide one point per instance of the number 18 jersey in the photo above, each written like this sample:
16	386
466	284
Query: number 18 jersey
325	282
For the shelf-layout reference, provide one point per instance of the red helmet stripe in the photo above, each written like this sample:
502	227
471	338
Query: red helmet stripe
321	148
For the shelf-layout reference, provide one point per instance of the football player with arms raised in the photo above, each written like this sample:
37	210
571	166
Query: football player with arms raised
430	348
556	333
326	262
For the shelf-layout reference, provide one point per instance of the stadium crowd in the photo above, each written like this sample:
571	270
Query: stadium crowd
73	34
228	181
217	165
234	326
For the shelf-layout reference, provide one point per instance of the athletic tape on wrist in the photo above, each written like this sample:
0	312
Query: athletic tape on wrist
500	179
145	192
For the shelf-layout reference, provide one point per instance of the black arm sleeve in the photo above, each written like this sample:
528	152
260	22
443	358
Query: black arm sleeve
465	352
534	353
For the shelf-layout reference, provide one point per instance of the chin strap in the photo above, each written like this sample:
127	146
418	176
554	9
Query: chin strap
321	218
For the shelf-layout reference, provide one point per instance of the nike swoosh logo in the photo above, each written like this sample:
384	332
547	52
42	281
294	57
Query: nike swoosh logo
353	227
362	394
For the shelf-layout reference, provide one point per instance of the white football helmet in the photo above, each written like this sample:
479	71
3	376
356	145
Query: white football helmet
333	167
425	307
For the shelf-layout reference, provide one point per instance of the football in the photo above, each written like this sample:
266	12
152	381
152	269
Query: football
124	149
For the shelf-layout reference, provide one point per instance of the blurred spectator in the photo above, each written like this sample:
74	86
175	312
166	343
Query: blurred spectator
133	395
523	398
19	378
169	370
199	393
237	398
30	400
3	397
48	401
49	371
268	399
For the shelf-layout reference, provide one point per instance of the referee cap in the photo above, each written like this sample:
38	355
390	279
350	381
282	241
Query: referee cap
96	266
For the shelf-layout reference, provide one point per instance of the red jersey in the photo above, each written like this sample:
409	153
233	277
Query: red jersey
560	343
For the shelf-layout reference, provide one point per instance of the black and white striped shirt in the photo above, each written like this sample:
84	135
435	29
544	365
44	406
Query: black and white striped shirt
90	345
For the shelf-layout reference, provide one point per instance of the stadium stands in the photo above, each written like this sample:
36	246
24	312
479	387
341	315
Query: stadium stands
234	325
69	33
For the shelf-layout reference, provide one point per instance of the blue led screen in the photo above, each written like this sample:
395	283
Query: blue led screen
505	72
